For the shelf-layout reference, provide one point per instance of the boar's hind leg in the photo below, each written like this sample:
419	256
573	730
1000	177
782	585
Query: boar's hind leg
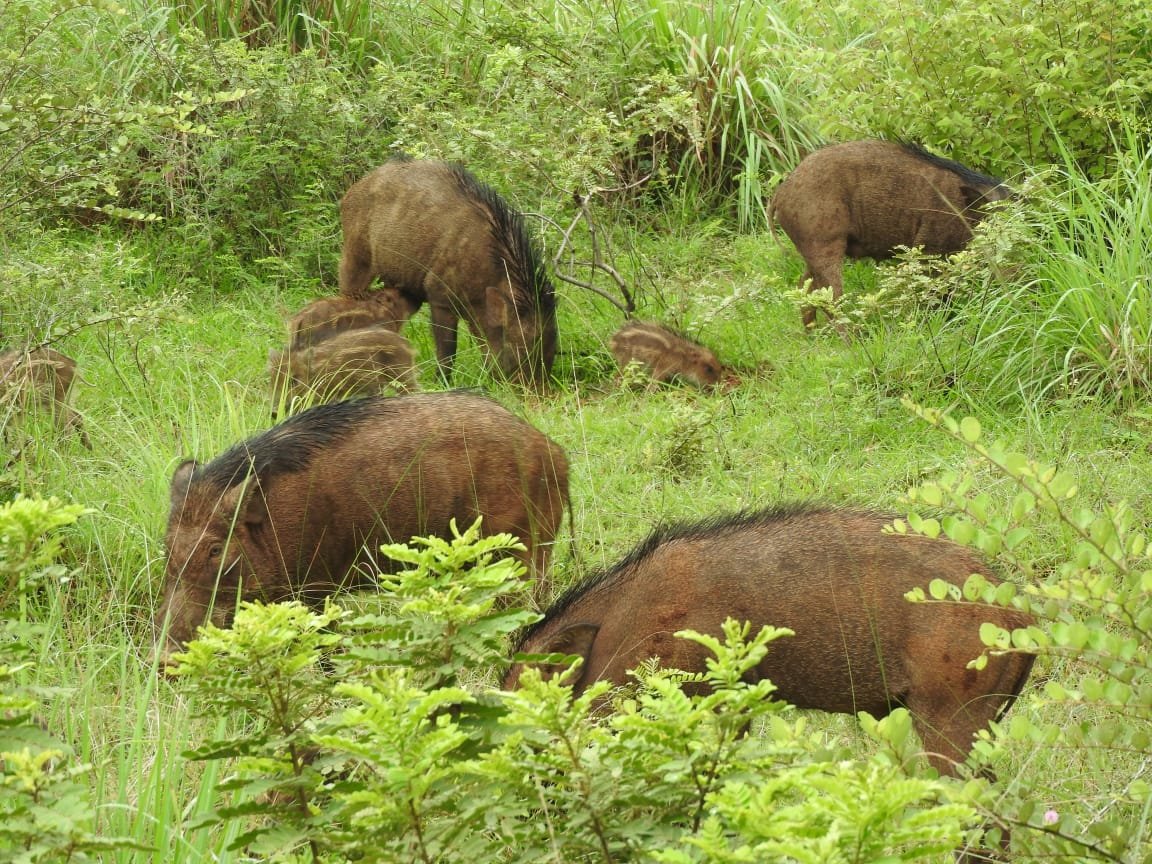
951	706
355	274
826	270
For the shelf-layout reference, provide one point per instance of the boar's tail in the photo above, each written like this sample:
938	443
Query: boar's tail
573	547
770	213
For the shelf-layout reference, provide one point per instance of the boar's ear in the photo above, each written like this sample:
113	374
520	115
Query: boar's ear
575	639
254	502
181	481
495	308
246	502
973	196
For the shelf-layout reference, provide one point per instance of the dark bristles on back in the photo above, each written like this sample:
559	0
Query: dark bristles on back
290	446
532	290
965	173
682	530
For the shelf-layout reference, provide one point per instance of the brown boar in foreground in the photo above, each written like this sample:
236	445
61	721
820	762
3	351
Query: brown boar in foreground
665	355
833	578
360	362
865	198
436	234
41	378
324	318
295	511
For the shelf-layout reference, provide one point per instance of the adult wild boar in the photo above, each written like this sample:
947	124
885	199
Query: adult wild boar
863	199
833	578
358	362
436	234
324	318
295	511
41	379
665	355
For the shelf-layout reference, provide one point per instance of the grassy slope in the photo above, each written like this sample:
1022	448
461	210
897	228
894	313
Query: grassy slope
807	422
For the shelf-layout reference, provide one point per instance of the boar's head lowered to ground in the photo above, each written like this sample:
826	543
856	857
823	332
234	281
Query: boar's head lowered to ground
295	511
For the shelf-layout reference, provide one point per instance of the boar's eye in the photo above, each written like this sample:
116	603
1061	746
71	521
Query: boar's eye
215	551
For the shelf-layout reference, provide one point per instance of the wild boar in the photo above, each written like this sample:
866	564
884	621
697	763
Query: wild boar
863	199
300	510
833	578
321	319
41	378
436	234
358	362
665	355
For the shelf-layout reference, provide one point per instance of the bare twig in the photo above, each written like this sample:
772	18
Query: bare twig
597	263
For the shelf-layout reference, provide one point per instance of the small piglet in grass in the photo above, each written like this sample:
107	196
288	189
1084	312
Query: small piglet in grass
359	362
41	379
667	357
324	318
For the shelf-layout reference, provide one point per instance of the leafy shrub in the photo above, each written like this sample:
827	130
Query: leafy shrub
1020	85
346	28
45	811
1093	624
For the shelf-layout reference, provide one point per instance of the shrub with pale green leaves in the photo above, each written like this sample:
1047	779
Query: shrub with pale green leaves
1093	631
46	812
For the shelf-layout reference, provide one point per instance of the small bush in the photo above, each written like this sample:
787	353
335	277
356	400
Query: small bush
1093	623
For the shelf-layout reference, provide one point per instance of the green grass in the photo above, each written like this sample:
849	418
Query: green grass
172	324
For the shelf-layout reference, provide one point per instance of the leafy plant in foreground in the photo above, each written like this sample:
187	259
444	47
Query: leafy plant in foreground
1093	626
45	811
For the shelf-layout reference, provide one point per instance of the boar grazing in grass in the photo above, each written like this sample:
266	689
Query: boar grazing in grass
359	362
831	576
436	234
301	510
40	379
666	356
324	318
863	199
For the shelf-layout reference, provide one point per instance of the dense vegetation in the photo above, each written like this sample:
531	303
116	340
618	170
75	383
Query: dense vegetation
168	193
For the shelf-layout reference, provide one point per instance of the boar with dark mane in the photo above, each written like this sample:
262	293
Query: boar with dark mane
437	235
295	511
863	199
833	577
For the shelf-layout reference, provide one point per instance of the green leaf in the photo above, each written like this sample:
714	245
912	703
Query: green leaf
970	429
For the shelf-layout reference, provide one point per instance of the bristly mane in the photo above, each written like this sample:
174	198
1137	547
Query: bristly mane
974	178
532	291
290	446
664	533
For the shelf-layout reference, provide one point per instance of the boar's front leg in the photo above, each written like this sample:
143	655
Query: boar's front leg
444	323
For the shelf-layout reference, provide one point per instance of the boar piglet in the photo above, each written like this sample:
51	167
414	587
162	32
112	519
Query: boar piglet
666	356
436	234
295	511
359	362
41	379
831	576
863	199
324	318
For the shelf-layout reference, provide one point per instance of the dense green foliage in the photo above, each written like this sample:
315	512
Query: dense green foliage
169	179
